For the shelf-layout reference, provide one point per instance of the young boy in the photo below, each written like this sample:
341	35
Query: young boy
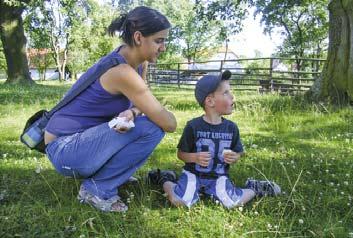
208	146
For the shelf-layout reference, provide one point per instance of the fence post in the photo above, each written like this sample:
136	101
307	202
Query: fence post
178	76
270	73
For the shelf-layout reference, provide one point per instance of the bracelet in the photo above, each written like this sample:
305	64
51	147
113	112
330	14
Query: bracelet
134	114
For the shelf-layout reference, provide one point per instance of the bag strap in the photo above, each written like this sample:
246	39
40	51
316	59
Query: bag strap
97	70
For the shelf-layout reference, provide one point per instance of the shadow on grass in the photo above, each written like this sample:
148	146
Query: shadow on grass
28	95
44	204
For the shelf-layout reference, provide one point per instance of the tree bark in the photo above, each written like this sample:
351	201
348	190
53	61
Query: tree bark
336	81
14	44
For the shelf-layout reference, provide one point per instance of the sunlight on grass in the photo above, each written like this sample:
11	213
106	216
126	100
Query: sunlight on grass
306	148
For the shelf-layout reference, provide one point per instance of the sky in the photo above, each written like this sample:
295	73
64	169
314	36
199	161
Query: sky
252	38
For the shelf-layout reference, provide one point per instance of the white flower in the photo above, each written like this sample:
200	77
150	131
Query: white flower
345	183
301	221
2	195
240	209
38	169
269	226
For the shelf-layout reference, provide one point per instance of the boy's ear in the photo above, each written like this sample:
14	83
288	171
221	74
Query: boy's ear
209	101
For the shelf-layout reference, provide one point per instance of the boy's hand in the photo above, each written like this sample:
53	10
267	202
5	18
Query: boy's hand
203	158
231	157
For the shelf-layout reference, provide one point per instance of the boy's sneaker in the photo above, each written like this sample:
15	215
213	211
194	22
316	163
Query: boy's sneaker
263	187
113	204
159	177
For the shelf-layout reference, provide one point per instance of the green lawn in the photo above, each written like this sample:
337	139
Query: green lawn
306	148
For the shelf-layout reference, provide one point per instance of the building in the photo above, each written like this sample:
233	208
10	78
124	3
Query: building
214	63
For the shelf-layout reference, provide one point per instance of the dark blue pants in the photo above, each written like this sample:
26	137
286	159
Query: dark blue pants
104	157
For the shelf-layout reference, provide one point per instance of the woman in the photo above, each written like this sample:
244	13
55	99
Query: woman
79	141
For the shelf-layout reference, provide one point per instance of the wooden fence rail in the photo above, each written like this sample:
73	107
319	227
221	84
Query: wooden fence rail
285	75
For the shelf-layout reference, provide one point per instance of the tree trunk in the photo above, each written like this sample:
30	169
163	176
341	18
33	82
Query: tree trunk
14	44
336	81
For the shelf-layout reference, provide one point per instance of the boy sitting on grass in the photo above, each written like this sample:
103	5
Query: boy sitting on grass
208	146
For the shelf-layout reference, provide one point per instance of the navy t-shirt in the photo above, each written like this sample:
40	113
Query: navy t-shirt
199	136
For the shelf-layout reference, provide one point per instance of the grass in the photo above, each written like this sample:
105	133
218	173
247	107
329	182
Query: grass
306	148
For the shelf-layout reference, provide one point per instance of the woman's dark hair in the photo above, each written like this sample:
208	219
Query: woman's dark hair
143	19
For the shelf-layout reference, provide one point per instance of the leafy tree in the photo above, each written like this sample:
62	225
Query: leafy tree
2	59
303	23
201	26
89	39
14	40
55	20
336	81
41	59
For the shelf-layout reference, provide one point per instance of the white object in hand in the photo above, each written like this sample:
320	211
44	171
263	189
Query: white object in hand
119	122
226	151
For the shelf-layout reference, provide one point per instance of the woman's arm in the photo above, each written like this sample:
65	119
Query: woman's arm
124	79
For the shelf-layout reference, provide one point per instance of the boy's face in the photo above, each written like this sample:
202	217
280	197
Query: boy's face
223	99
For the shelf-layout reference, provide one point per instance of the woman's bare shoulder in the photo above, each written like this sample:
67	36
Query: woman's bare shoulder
121	71
120	78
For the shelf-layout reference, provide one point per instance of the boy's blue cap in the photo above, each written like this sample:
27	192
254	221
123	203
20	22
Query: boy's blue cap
208	84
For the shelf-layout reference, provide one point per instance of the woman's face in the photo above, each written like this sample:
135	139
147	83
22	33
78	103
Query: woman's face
152	46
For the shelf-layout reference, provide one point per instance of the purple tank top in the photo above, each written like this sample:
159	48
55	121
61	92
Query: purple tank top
94	105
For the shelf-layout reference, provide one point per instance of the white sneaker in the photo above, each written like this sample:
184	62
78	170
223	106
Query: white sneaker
113	204
263	187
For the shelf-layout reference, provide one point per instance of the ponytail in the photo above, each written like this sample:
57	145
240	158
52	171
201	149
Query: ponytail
117	25
143	19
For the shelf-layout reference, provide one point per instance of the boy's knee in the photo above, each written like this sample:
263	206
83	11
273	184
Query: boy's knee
173	198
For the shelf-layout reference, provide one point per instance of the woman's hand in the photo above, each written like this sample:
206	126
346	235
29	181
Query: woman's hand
128	115
231	157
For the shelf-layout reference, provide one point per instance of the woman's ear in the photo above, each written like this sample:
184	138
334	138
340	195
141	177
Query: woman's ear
137	38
